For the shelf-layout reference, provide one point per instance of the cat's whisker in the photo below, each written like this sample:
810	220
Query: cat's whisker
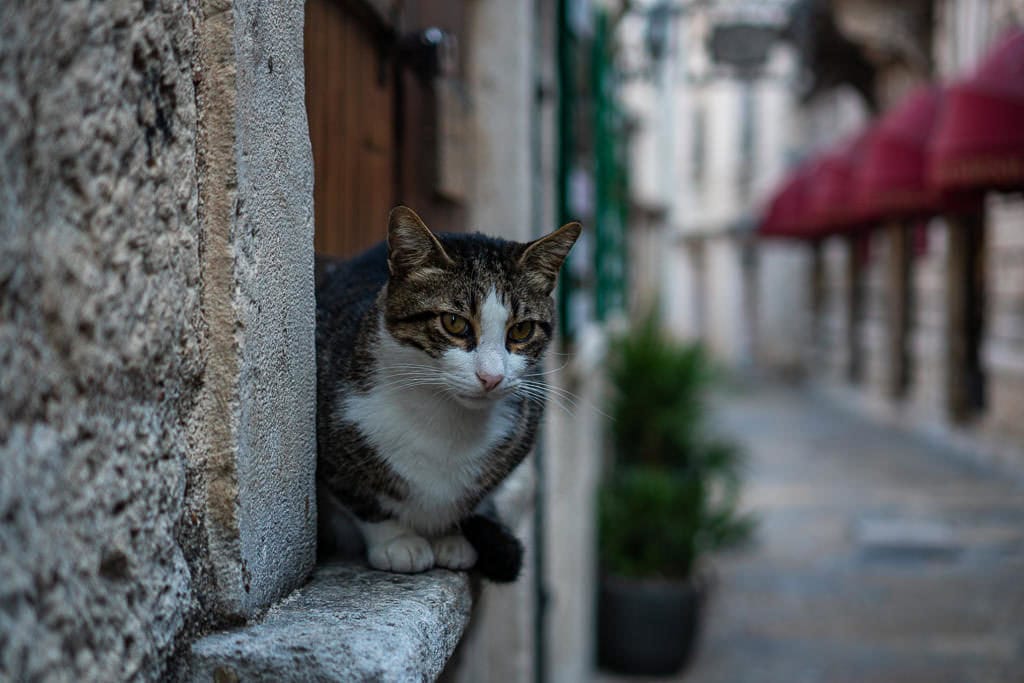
548	372
528	391
559	390
545	386
407	373
574	399
402	380
544	400
539	396
410	382
404	373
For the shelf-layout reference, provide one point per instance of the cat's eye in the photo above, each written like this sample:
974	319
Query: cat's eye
454	324
521	331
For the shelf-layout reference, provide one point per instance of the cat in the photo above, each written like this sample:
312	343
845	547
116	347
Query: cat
428	350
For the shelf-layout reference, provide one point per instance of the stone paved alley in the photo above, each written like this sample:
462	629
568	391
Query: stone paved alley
879	558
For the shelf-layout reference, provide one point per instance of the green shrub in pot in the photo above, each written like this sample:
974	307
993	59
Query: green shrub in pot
656	523
659	395
670	498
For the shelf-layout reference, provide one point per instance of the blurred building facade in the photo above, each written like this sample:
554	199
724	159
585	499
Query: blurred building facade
713	138
710	94
955	371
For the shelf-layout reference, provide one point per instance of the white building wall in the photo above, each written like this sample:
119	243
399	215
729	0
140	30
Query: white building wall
717	203
774	110
642	99
727	329
834	116
680	291
783	304
706	288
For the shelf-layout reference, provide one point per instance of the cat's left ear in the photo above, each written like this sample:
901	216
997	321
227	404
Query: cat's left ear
544	257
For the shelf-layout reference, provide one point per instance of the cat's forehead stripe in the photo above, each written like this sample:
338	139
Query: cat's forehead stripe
493	316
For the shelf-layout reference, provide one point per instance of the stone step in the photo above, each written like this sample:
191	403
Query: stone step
348	623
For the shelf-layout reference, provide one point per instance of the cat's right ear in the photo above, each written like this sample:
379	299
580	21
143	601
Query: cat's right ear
411	246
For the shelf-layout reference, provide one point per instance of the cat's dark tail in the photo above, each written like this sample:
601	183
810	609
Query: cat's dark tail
499	552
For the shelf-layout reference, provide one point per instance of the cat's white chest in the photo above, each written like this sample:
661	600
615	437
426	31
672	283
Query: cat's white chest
438	447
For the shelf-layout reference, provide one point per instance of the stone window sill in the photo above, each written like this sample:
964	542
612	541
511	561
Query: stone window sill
347	623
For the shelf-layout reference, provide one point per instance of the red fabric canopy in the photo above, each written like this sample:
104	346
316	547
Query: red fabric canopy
979	137
831	203
786	215
892	179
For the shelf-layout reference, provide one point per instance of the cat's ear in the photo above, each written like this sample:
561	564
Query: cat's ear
411	246
543	258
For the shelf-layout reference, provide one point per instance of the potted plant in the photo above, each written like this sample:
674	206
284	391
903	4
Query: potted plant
669	500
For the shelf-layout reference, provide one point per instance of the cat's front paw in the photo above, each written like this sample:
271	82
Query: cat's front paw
453	552
406	554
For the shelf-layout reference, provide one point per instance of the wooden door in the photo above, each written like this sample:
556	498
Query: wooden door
350	102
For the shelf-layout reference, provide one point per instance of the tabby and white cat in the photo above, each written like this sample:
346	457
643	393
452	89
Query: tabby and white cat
427	346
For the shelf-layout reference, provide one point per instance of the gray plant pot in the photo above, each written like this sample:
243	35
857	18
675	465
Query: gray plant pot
647	627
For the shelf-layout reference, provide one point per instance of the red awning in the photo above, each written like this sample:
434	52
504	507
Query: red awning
979	137
786	214
892	179
831	204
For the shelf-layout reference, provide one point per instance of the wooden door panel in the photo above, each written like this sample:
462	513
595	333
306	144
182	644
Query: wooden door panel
350	99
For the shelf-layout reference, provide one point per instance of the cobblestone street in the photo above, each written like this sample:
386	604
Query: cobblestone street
878	559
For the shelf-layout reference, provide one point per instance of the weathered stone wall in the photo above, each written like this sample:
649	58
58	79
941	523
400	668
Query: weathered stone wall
156	328
100	332
256	207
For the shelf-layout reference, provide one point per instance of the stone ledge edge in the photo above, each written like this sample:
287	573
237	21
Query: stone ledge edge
347	623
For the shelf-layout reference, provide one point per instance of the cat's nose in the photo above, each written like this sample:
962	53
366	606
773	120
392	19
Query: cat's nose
488	380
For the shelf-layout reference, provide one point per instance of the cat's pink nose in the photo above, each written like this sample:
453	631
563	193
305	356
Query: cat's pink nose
489	381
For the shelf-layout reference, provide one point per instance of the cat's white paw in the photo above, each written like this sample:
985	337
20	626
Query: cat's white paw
405	554
453	552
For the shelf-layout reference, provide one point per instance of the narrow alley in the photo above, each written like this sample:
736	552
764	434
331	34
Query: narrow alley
238	233
878	557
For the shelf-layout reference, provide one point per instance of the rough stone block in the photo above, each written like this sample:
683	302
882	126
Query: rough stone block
257	212
348	624
100	324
